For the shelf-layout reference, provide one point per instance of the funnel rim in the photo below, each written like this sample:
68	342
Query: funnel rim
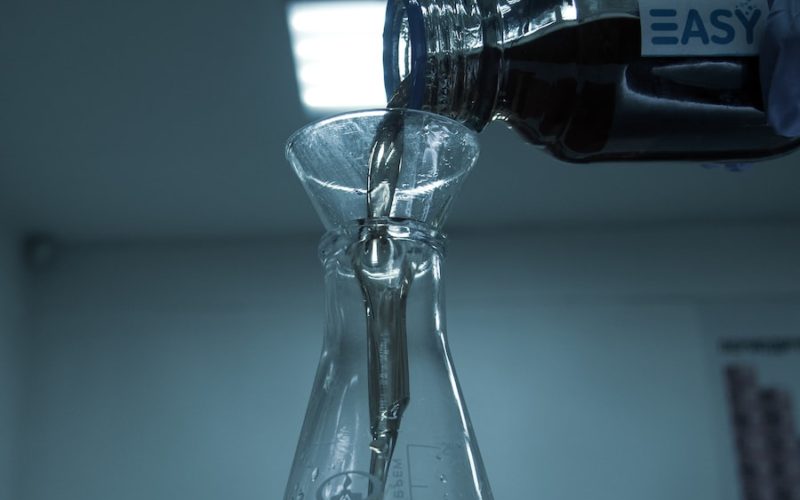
372	112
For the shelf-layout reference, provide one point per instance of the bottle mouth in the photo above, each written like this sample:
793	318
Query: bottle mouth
405	51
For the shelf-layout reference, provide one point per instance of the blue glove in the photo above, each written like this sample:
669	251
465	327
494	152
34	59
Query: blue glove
780	67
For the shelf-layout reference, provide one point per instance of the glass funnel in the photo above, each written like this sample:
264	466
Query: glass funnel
386	418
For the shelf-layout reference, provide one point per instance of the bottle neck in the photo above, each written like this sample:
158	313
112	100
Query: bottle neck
336	244
443	56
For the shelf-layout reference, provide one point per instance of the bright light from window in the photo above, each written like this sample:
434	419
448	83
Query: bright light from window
338	54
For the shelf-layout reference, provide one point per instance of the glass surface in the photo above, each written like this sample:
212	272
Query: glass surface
386	418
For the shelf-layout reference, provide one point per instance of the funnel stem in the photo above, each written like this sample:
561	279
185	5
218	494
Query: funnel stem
385	275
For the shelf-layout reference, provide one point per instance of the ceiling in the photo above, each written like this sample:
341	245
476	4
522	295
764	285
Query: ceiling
163	119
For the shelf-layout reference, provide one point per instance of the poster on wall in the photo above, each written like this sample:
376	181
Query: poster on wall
756	353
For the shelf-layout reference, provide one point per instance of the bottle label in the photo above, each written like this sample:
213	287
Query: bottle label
702	28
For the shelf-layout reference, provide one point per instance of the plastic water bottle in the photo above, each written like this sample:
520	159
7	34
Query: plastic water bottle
591	80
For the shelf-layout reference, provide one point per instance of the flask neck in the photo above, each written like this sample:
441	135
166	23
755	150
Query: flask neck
338	241
391	261
443	56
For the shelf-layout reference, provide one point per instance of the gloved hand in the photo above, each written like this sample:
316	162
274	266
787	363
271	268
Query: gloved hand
780	67
780	72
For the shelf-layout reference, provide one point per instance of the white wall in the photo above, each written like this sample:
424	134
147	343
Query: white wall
182	370
609	340
11	310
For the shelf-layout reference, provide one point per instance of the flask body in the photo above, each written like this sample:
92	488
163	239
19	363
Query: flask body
434	455
571	77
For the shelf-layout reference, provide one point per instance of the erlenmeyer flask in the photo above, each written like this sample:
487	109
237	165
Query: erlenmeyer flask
386	418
